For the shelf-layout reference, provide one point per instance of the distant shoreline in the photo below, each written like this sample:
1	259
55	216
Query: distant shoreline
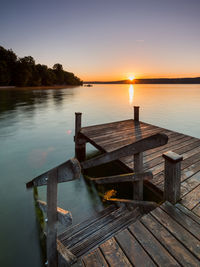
38	87
195	80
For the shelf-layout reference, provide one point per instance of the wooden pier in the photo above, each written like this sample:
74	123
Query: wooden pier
130	232
111	136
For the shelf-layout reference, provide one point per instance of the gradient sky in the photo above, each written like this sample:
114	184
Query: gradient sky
106	40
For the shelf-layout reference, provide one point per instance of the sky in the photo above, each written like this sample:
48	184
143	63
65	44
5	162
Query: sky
106	40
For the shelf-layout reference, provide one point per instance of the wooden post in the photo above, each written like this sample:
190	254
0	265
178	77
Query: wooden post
80	143
136	113
172	176
52	254
138	168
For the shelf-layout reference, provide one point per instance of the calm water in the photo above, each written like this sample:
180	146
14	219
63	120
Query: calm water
36	133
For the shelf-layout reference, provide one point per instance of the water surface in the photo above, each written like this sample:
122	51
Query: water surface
36	134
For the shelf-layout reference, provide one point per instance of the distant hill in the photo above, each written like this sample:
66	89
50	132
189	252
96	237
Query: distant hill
195	80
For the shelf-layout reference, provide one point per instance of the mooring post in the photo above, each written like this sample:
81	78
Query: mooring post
136	113
80	143
52	254
172	176
138	168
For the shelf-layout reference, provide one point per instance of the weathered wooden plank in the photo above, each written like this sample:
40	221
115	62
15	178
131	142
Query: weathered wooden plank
124	135
65	257
105	233
124	140
133	250
178	231
114	254
67	171
156	170
119	133
191	199
176	141
150	162
188	213
190	184
88	231
92	220
95	258
159	254
64	216
180	217
175	248
185	151
185	173
137	147
129	177
196	209
157	152
52	255
93	131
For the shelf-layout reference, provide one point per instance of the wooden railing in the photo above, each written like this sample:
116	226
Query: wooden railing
68	171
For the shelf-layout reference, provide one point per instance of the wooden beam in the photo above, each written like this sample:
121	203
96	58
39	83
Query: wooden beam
129	177
64	216
52	255
139	203
67	171
172	183
138	167
134	148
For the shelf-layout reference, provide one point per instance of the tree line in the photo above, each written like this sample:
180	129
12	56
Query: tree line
15	71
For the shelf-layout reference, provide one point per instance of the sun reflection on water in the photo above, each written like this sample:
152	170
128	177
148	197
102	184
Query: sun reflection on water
131	94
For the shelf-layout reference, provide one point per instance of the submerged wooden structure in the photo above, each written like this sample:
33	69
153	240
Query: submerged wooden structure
121	235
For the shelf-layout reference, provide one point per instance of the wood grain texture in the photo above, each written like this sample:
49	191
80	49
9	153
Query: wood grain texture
114	254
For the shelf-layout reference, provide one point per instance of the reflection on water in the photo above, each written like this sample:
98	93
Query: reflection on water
131	94
36	134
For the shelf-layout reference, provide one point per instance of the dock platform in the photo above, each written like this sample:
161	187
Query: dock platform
167	236
111	136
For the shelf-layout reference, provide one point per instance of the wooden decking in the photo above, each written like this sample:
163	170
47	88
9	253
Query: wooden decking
110	136
167	236
84	237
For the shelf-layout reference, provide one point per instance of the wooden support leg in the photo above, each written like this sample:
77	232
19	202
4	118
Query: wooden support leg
136	113
80	149
52	255
80	143
138	186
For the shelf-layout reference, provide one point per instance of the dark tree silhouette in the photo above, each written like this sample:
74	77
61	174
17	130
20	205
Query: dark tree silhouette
24	72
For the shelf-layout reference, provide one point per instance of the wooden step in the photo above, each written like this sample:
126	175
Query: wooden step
74	229
89	230
105	232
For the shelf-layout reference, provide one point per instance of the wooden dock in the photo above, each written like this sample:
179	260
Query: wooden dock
141	233
111	136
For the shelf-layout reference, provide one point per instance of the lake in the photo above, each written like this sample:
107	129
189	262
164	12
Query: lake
36	134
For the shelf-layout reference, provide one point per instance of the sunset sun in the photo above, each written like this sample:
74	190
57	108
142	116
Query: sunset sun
131	78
